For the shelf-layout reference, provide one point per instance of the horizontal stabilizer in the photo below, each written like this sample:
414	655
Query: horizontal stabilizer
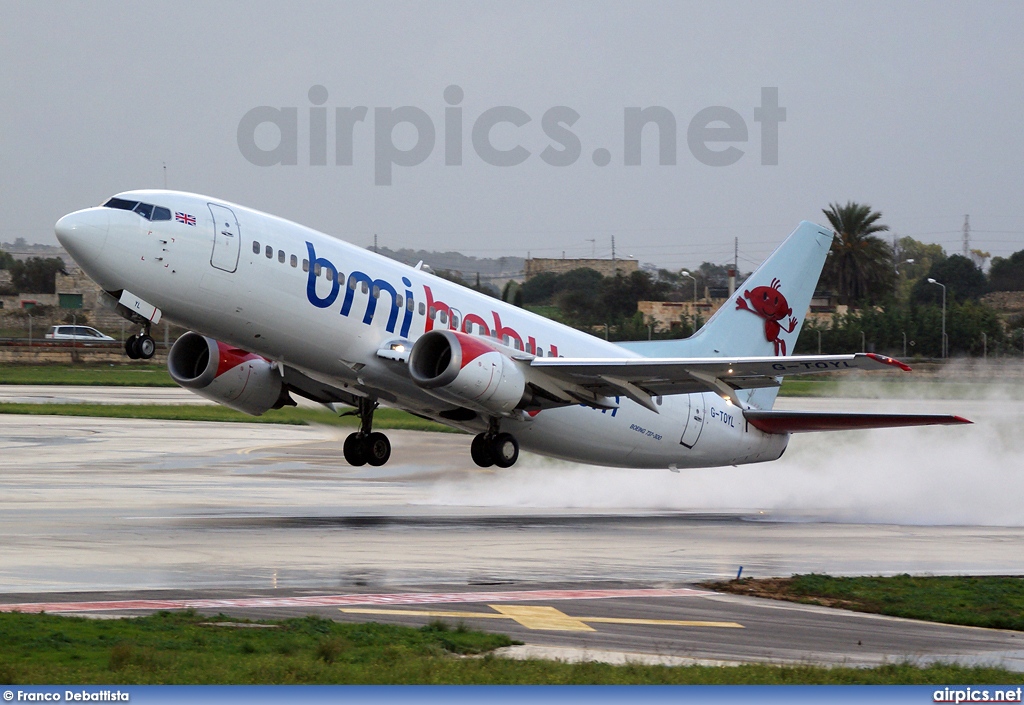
802	421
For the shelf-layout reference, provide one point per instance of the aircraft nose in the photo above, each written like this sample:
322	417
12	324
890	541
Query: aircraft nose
83	233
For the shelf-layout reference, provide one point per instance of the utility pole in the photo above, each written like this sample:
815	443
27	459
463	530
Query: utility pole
734	270
967	236
614	266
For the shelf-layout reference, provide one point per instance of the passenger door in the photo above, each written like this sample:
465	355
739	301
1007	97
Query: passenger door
227	238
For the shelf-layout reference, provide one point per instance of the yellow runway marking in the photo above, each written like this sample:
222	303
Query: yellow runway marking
546	618
542	618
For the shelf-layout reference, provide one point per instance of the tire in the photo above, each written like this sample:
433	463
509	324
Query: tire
378	449
355	450
480	451
505	449
131	348
145	346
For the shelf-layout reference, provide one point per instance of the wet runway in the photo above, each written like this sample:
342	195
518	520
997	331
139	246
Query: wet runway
125	508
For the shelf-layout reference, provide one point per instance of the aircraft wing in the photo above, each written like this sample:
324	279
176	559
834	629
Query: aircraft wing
802	421
587	380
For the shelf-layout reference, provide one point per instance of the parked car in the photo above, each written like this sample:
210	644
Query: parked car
83	334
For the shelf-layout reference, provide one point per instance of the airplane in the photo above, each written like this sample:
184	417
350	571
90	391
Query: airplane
275	310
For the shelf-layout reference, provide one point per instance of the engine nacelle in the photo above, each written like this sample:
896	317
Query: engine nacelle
227	375
466	370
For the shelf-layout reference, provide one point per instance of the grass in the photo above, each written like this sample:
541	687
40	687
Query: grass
296	416
996	602
187	648
126	375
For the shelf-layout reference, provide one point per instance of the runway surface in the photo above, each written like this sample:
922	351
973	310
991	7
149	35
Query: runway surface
111	509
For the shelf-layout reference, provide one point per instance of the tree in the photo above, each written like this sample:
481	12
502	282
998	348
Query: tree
1007	273
6	260
859	267
923	254
963	280
512	293
36	275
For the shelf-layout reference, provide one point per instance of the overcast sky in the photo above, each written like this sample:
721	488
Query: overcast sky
914	108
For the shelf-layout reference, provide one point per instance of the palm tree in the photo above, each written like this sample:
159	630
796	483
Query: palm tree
859	267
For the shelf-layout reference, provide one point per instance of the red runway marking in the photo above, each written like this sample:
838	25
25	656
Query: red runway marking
408	598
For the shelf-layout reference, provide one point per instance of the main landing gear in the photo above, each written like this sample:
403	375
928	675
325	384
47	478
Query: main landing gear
140	346
366	446
494	448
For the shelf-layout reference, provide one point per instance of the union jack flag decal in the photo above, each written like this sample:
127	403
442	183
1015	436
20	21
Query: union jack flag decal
185	218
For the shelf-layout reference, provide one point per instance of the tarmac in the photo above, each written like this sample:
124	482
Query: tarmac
268	521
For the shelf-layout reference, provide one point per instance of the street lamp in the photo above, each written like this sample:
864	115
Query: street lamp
896	266
945	347
690	276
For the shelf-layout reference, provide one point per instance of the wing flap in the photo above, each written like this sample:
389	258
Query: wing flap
664	376
805	421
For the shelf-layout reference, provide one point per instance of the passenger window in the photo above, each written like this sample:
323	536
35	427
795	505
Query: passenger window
145	210
295	261
255	247
398	302
280	256
423	308
270	252
410	305
330	274
455	321
305	265
161	213
352	282
316	269
365	287
443	317
376	292
433	313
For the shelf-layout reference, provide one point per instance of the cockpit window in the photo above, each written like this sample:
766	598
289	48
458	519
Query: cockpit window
121	204
146	210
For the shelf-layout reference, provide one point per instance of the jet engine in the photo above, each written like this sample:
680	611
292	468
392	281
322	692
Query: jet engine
227	375
467	370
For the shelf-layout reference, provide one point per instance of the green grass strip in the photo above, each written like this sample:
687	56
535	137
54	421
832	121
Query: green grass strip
124	375
382	418
187	648
996	602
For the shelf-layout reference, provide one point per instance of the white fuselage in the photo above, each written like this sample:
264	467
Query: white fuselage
242	281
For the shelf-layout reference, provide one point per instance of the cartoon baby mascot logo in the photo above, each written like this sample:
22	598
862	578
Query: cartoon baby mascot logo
769	303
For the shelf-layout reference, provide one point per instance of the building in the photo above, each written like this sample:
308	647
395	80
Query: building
666	315
605	267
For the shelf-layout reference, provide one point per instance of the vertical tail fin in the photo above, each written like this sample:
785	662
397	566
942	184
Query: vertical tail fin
764	316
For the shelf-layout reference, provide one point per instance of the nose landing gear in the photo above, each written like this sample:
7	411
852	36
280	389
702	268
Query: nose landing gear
366	446
140	346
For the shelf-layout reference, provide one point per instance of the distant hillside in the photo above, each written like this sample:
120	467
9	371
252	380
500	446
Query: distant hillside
467	267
